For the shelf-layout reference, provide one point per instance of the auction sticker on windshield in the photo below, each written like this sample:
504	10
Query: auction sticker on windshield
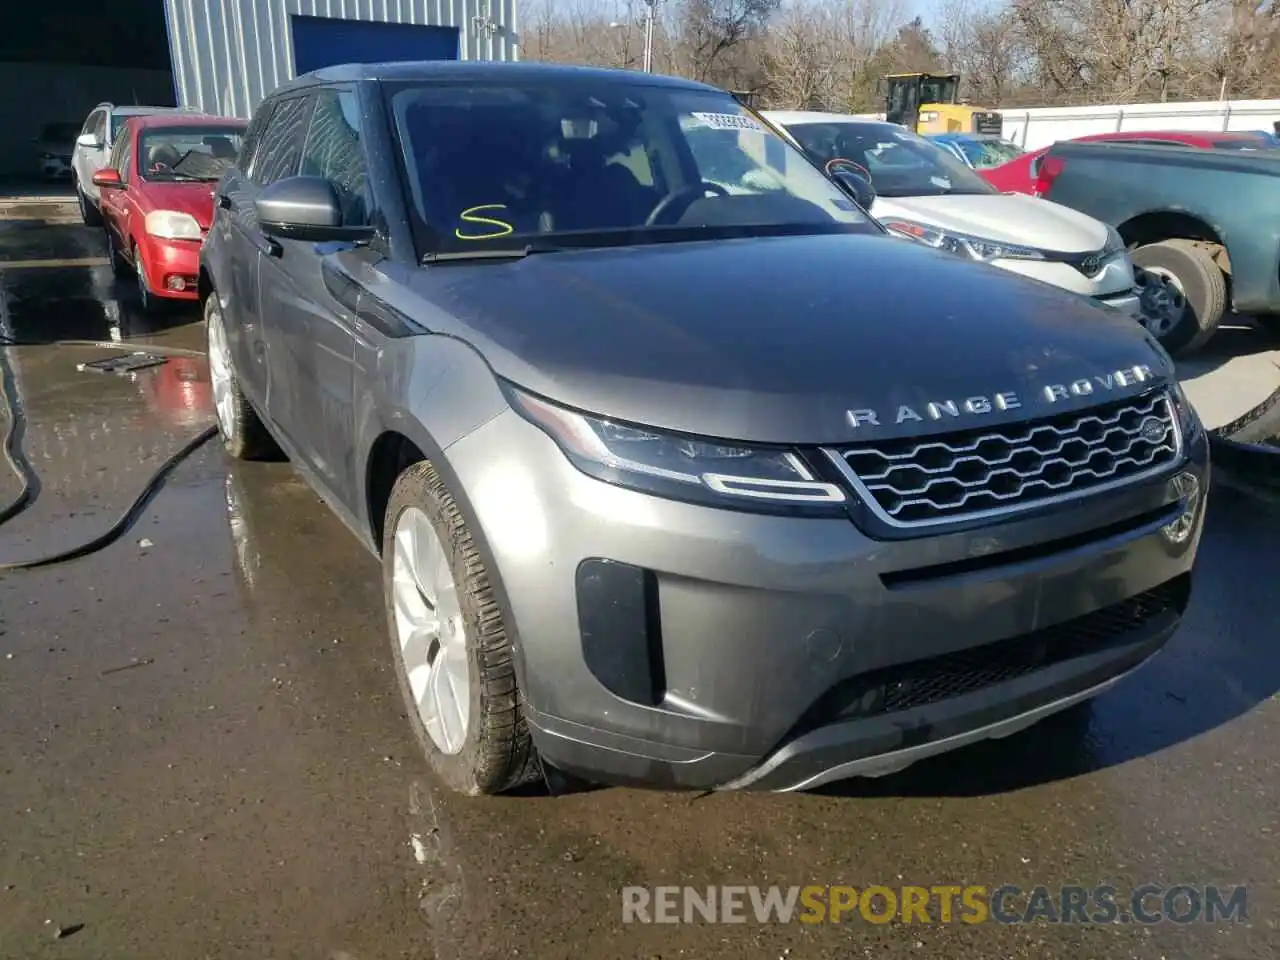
727	121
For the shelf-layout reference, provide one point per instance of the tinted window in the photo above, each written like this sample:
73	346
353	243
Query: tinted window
188	153
253	136
592	158
280	150
900	163
333	151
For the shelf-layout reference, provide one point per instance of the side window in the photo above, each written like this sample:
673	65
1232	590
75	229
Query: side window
89	122
100	127
334	152
253	136
281	146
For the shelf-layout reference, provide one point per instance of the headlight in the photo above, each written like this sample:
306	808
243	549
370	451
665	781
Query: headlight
975	248
172	225
928	116
1115	243
681	467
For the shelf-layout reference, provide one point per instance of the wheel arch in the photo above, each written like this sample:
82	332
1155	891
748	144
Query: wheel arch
390	454
1156	225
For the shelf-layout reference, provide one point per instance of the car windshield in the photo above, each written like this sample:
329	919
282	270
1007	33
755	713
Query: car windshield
899	163
584	162
984	154
188	153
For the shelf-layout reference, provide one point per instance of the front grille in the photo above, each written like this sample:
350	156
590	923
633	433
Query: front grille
923	682
977	473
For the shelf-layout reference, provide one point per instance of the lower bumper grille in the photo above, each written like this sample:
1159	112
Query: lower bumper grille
923	682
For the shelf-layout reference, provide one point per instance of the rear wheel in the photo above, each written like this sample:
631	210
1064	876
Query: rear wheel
1183	293
449	640
90	214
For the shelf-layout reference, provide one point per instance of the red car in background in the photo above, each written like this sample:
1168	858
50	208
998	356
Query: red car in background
1021	174
157	199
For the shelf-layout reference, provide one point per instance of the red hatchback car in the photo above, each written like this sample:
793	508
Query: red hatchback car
1021	174
157	198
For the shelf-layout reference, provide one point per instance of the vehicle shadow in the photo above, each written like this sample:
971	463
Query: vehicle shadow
1219	666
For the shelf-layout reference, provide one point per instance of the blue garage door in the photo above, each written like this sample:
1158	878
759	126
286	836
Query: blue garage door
323	41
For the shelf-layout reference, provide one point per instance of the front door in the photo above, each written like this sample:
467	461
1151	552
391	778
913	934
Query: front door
309	302
88	160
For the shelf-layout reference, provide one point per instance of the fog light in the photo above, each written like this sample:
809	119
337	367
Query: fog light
176	283
1186	487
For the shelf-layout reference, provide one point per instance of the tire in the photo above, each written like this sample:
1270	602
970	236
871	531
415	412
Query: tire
496	752
1184	294
242	432
90	214
150	304
119	266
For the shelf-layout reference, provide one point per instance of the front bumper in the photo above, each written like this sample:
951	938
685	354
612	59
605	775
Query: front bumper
1128	303
674	645
169	262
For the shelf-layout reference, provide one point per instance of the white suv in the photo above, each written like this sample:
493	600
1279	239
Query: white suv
93	147
920	191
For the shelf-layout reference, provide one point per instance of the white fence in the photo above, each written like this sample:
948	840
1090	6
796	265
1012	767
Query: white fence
1041	126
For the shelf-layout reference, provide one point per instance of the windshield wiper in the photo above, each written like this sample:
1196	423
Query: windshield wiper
489	253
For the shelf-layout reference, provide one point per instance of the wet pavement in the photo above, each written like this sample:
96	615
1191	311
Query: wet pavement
203	752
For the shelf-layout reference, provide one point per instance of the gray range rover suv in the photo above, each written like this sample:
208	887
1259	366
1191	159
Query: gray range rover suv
683	473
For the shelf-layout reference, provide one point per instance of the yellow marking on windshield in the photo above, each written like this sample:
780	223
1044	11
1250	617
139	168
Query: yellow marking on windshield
501	227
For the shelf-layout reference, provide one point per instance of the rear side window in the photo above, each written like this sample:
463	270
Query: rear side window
334	152
280	150
253	136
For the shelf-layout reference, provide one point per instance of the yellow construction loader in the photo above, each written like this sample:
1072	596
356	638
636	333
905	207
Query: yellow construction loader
929	103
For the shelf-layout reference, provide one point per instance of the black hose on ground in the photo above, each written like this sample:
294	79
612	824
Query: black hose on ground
17	461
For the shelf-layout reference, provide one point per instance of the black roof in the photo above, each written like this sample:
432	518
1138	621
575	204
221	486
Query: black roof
480	71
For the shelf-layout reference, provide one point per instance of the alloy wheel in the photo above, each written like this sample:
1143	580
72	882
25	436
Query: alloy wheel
221	378
1162	301
431	631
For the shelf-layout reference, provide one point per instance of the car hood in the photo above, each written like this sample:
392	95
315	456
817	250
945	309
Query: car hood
1010	218
775	340
193	198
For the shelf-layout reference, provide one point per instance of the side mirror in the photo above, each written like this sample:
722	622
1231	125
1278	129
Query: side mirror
108	178
859	188
304	208
88	140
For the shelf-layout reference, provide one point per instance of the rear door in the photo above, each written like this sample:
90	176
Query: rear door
309	301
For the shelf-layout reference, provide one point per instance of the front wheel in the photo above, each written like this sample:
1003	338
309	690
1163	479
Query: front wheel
450	643
242	432
1183	293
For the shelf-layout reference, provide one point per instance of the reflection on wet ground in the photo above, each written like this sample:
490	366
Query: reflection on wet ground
203	753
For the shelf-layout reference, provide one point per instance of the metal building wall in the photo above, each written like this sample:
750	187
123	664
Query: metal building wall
228	54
